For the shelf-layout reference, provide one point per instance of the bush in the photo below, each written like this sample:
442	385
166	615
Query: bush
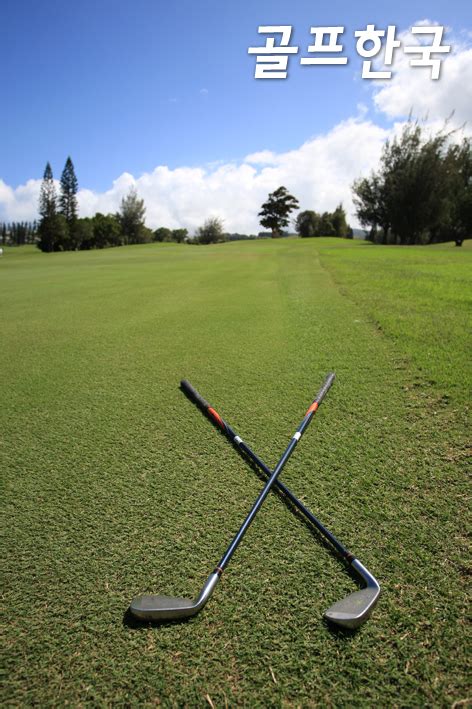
310	223
165	234
211	232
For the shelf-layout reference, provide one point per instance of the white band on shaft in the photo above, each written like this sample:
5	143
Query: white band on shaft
238	440
297	435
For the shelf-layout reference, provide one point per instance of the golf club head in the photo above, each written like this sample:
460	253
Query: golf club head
149	607
353	611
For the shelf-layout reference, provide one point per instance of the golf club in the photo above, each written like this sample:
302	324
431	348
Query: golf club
350	612
153	608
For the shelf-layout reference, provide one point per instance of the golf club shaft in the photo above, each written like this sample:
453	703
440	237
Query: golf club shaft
349	612
237	440
277	470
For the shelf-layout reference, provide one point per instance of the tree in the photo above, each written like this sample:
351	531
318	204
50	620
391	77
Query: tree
18	233
416	195
326	225
48	211
162	234
165	234
179	235
414	189
47	194
307	224
145	235
339	222
370	205
131	218
106	231
83	237
310	223
211	232
276	210
53	233
69	187
458	172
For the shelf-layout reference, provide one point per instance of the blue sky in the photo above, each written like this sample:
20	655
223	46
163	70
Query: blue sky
126	87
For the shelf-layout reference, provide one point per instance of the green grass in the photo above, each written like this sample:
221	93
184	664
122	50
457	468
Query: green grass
113	483
421	297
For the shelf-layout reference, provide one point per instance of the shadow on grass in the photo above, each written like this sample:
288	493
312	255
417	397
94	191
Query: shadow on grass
130	621
341	633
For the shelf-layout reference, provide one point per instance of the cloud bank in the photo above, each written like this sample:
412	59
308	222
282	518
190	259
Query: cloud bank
410	89
319	172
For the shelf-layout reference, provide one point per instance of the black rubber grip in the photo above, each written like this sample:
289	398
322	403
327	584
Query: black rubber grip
325	388
193	394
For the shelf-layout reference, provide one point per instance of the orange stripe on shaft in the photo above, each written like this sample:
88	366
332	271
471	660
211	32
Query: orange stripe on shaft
216	417
313	408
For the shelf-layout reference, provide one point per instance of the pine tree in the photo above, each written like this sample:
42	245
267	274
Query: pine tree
69	187
47	195
52	229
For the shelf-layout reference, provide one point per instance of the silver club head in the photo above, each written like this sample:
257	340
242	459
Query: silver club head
352	611
161	608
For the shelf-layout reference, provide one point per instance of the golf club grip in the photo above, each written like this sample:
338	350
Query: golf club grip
325	388
193	394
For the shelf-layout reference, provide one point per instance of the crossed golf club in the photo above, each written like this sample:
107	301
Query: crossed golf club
349	612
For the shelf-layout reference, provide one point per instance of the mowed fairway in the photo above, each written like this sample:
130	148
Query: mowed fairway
115	484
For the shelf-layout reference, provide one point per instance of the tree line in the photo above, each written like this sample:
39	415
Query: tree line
275	215
18	233
422	191
421	194
310	223
61	229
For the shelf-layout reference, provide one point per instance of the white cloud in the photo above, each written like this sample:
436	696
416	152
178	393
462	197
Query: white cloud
263	157
19	204
411	89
